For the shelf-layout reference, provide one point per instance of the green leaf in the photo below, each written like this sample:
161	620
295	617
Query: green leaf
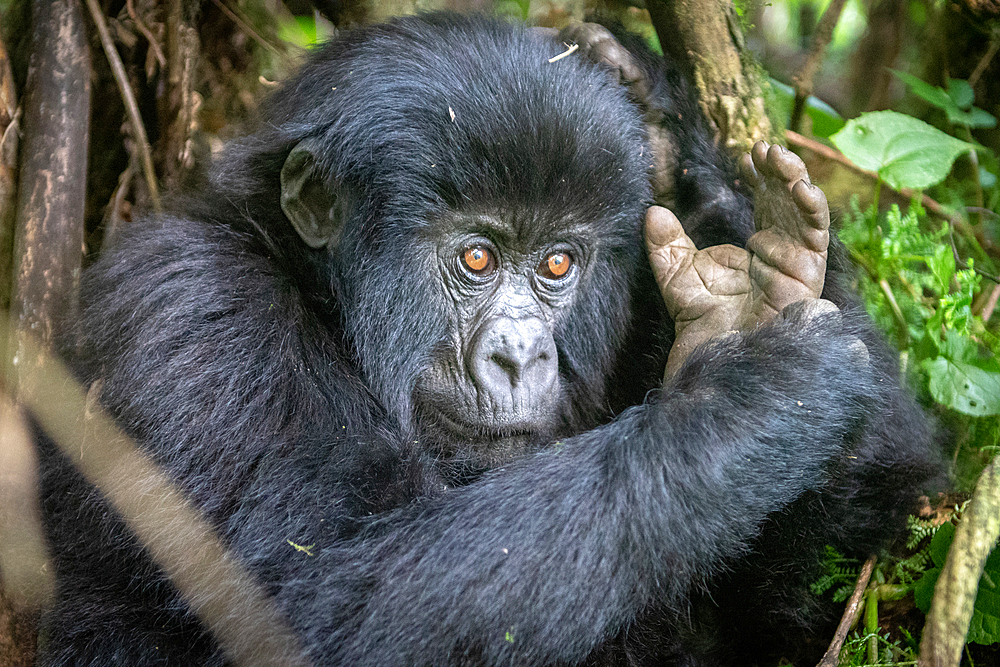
956	103
942	265
825	119
923	590
963	387
933	95
961	93
941	542
979	118
904	151
987	179
958	347
985	625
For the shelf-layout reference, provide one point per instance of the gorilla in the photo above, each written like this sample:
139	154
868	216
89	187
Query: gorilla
405	349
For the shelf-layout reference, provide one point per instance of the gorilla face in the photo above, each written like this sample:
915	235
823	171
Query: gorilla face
494	383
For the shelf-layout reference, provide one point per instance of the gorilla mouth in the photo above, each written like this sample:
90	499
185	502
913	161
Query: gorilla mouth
481	432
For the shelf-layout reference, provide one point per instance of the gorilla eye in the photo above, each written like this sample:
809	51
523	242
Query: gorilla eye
555	266
479	260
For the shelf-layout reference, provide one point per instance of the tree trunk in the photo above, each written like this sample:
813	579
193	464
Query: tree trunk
705	38
48	240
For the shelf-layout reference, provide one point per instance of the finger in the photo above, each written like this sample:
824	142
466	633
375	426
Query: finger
663	228
811	200
747	171
671	255
787	164
758	156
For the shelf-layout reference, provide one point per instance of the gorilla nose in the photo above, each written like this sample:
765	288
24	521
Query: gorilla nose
514	356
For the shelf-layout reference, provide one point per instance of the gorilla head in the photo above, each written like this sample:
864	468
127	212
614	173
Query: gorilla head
478	220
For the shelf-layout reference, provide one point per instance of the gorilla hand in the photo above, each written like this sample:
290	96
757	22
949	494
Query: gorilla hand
725	288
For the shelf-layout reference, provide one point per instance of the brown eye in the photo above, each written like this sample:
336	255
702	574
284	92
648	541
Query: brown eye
478	260
555	266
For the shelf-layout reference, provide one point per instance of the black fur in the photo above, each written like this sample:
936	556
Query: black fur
275	385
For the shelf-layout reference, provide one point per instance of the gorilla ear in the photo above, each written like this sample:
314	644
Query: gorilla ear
306	199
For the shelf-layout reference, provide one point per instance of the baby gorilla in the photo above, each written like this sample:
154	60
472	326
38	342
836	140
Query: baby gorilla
405	353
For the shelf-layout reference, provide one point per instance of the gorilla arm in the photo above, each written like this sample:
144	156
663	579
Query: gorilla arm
540	562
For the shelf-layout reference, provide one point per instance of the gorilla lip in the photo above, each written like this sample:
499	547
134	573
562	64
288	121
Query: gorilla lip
481	431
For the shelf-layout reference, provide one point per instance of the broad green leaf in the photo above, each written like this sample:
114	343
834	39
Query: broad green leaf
941	542
933	95
956	102
825	119
923	590
979	118
985	625
954	345
983	628
961	93
963	387
904	151
987	179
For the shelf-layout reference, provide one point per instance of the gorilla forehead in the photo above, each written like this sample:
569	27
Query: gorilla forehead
424	115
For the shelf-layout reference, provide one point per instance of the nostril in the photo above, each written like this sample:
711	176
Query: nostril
508	365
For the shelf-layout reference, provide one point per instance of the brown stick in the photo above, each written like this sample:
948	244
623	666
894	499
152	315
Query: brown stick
48	237
147	33
177	536
804	79
984	62
832	656
53	173
245	27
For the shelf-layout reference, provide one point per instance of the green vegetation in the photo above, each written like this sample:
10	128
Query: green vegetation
930	279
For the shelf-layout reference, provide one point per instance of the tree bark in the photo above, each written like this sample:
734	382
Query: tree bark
704	37
48	241
49	228
955	593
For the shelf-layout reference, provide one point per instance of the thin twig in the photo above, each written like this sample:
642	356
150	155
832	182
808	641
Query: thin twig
984	61
147	33
982	211
570	48
897	312
804	79
832	656
135	119
991	304
246	28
